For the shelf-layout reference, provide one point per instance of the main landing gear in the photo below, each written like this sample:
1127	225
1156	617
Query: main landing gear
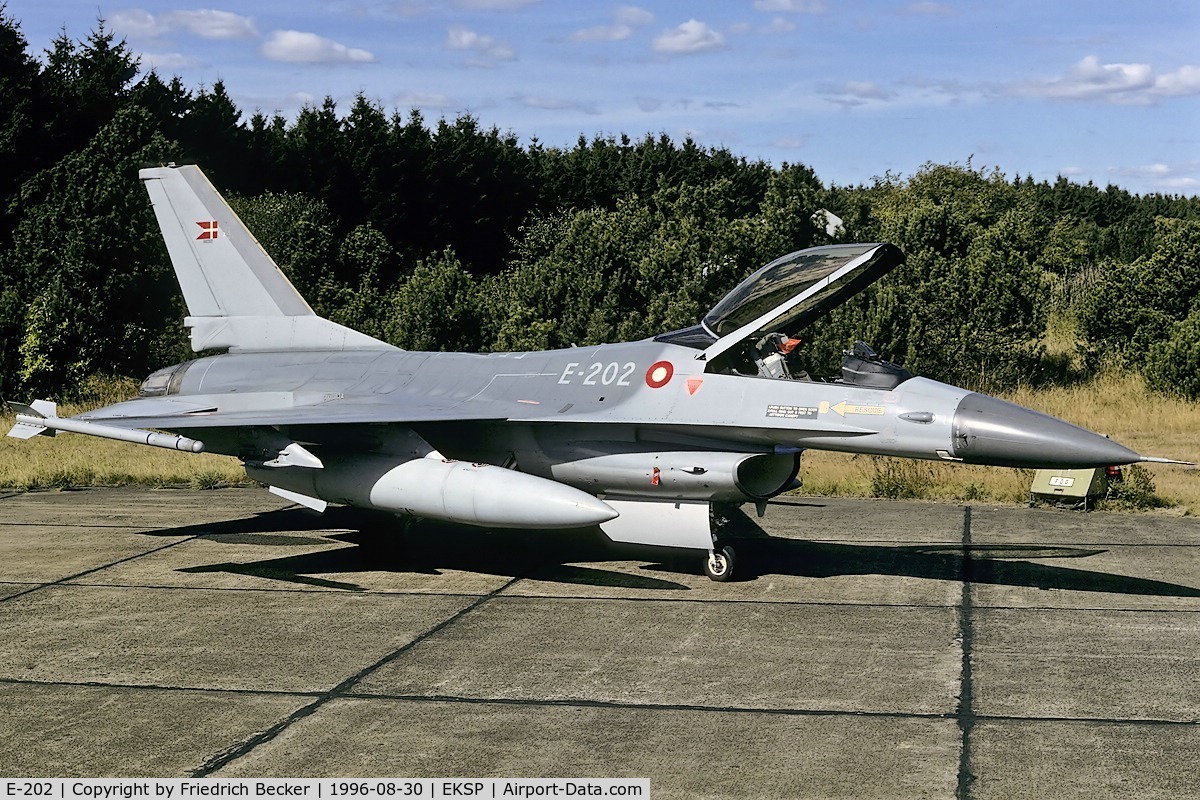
718	565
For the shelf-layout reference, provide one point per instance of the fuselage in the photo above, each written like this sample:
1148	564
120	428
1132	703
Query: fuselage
559	414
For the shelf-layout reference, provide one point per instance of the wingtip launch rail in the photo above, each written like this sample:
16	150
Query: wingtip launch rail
41	418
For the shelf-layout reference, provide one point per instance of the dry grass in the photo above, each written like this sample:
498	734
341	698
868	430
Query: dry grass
1120	406
68	460
844	475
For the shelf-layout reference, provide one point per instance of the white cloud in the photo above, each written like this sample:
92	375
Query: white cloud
299	47
460	38
208	23
791	6
690	37
1182	82
1091	79
952	91
778	25
554	104
546	103
135	22
213	24
632	15
1178	178
625	20
434	100
166	62
603	34
791	142
1117	84
1153	170
1181	185
855	93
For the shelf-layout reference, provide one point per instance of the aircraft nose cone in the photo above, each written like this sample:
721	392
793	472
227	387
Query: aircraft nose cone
988	430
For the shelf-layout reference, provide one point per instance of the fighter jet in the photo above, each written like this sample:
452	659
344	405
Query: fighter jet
640	438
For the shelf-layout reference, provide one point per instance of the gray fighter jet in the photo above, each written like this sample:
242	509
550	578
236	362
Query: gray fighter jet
640	438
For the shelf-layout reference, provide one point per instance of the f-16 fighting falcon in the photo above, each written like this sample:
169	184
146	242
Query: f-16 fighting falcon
640	438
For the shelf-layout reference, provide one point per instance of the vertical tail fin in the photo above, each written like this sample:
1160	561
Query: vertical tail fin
236	295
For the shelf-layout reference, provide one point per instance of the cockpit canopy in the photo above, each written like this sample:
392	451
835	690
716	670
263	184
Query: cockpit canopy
789	294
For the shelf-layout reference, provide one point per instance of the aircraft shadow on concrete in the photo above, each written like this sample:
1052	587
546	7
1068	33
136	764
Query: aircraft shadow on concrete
381	544
384	545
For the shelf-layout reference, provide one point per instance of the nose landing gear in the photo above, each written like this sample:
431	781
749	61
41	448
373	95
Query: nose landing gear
718	565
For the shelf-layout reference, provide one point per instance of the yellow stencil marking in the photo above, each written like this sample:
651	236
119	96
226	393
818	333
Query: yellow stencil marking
843	408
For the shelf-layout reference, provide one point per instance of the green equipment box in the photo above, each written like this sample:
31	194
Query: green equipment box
1075	487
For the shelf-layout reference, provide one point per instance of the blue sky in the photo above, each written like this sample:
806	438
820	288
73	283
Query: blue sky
1093	90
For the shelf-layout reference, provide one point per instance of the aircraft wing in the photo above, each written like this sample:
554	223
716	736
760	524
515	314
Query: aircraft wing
194	414
201	412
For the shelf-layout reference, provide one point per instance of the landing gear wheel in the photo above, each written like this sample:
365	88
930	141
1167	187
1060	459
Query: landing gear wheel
718	566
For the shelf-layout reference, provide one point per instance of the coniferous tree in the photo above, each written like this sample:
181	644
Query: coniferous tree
23	107
90	266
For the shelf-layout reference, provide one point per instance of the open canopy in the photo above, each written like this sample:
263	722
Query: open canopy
791	292
788	295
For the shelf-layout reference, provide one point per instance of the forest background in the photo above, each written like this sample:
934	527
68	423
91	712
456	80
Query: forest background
449	236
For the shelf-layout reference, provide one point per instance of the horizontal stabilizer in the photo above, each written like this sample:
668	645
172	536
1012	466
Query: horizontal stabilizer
265	334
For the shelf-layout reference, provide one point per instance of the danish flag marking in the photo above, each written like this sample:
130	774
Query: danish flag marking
209	229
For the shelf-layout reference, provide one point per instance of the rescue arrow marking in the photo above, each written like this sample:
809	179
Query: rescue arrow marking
843	408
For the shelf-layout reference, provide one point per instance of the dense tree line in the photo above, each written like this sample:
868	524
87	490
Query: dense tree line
451	235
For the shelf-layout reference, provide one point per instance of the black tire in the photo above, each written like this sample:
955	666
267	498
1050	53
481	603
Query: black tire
719	564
